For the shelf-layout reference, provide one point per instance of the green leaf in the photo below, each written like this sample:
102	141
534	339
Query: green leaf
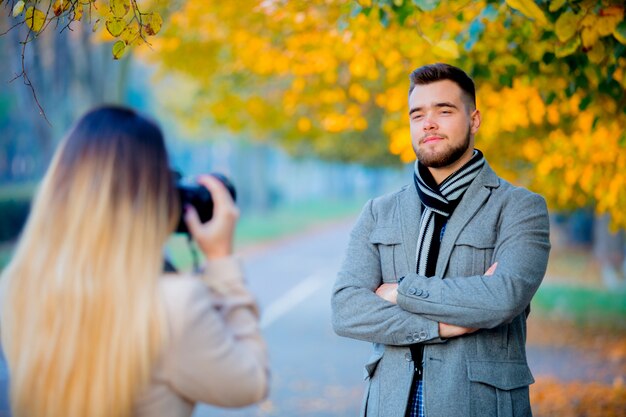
35	19
567	25
426	5
115	26
119	49
120	8
620	32
564	49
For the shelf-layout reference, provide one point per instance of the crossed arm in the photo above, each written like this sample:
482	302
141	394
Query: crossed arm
389	292
456	305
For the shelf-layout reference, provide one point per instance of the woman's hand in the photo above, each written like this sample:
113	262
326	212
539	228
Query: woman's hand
215	237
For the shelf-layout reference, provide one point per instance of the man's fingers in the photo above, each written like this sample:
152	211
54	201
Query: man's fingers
492	269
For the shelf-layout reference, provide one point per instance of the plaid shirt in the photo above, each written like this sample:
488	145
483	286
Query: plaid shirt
416	401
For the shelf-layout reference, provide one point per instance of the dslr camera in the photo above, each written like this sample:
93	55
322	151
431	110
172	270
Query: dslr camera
196	195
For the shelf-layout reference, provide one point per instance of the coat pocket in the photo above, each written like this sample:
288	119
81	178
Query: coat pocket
499	388
387	240
471	256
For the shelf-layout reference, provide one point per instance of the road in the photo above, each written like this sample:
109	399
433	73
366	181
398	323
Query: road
314	372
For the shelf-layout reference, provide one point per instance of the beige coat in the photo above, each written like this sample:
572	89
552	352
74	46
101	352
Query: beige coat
214	352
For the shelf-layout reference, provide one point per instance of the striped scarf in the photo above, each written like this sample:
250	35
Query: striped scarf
440	200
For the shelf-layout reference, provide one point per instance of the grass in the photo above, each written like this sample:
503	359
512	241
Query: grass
21	191
262	227
583	305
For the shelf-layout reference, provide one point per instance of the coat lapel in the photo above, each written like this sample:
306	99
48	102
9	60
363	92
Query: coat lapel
472	200
410	213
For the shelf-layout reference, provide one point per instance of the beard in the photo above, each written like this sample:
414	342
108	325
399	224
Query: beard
446	157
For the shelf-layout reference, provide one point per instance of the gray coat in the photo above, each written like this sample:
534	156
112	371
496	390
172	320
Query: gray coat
479	374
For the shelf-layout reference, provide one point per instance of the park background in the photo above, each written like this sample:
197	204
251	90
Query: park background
304	105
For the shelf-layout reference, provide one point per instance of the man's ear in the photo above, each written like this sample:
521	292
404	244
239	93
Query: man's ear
475	121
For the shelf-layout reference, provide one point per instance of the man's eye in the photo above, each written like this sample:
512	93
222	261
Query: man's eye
417	116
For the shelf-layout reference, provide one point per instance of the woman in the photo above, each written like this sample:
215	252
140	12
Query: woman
90	326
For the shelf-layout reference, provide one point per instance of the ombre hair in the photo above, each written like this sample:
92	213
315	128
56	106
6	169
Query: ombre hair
82	322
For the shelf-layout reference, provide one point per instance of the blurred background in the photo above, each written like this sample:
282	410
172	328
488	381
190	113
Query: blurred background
303	105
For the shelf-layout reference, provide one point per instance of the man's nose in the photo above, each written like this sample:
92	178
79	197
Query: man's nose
429	123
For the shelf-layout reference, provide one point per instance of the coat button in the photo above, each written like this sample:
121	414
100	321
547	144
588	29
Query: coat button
423	335
409	338
419	292
412	290
407	357
424	294
416	337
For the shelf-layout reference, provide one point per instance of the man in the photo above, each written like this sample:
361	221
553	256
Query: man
439	275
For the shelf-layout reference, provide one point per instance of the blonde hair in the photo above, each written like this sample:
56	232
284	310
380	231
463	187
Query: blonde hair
82	322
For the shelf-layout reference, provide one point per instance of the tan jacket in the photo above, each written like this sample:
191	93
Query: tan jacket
214	352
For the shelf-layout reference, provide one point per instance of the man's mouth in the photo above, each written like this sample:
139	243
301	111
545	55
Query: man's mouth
431	138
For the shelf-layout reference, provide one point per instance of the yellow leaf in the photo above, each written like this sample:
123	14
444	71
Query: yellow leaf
446	49
597	53
566	25
115	26
35	19
607	24
18	8
120	8
556	5
590	36
130	33
96	25
61	6
78	12
119	48
529	9
152	23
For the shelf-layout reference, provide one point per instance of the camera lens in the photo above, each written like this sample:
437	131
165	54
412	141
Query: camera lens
193	194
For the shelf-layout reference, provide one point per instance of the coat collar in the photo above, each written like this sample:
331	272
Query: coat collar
411	212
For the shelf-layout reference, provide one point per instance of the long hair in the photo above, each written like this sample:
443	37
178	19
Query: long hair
82	322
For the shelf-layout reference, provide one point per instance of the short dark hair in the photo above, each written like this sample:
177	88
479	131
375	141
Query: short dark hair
438	72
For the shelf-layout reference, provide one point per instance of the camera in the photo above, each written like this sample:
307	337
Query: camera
196	195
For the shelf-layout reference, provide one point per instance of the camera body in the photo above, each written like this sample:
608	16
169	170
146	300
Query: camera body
191	193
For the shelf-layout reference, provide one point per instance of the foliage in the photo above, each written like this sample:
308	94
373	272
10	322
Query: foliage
331	77
555	398
119	20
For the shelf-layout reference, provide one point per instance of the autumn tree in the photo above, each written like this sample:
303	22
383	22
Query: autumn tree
331	77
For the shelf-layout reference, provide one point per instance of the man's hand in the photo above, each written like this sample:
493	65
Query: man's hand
388	292
447	331
450	330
